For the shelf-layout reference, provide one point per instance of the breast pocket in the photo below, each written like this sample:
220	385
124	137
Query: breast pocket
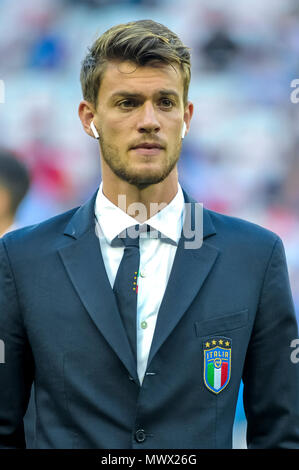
222	323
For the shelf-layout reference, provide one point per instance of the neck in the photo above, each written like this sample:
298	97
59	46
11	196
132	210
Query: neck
141	204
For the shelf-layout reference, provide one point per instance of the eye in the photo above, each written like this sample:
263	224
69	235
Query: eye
166	103
127	104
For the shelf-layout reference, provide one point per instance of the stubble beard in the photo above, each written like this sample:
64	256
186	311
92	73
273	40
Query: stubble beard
127	173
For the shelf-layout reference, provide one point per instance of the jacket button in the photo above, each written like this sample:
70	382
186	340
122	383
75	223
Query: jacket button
140	435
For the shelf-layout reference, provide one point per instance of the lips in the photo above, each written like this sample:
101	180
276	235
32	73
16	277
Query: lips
147	149
147	145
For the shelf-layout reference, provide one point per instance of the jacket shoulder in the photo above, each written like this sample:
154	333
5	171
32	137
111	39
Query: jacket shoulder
38	234
242	232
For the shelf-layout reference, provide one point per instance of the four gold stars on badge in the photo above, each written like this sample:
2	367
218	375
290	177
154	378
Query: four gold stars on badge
220	343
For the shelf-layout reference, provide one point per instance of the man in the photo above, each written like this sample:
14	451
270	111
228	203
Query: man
140	340
14	185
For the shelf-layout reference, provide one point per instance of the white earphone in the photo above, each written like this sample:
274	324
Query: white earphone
184	130
94	131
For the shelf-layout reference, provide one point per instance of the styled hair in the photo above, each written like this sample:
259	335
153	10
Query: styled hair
141	42
15	177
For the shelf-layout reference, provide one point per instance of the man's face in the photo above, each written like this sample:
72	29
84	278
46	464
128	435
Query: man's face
139	117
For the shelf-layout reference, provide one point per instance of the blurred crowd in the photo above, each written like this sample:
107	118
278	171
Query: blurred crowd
241	155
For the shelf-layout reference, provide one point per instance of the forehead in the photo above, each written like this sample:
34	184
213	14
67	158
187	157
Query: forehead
146	79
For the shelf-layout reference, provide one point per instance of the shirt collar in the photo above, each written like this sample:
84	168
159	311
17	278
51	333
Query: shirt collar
112	220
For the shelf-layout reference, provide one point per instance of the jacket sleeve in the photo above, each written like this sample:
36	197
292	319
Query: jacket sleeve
271	379
17	366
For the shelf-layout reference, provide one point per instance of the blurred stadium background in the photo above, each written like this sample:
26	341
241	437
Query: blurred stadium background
241	155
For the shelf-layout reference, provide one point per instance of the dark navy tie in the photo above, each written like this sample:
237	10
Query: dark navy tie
126	283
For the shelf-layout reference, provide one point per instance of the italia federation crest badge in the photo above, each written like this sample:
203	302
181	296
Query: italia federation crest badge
217	363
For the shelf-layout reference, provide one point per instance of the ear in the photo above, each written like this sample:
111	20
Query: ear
86	114
188	113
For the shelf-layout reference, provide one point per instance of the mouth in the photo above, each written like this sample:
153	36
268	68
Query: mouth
148	148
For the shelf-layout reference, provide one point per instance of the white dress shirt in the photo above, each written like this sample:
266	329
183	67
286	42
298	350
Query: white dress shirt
156	259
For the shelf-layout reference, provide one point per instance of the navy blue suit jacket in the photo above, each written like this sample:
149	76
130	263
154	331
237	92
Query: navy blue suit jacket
61	329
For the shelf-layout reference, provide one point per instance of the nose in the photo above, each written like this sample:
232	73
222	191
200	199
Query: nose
148	122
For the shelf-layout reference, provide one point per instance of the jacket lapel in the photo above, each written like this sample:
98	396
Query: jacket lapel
85	266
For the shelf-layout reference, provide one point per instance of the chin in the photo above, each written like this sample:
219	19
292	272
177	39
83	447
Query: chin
143	182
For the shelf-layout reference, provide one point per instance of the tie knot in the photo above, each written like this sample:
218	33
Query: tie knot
130	236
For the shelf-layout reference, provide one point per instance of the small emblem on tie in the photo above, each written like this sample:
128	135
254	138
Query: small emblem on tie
135	281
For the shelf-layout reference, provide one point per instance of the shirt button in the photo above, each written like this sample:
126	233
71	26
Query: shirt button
140	435
143	325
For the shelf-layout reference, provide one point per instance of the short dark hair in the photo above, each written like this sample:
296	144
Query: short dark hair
14	176
142	42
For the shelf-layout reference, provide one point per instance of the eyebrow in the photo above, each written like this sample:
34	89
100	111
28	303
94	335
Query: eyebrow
127	94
